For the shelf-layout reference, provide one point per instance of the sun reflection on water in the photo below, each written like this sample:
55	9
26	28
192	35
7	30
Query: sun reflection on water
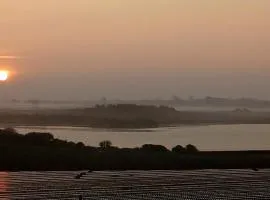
3	182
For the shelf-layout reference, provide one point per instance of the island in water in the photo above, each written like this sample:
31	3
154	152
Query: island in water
128	116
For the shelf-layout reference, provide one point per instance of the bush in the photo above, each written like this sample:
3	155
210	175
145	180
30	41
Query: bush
10	130
191	148
154	148
39	138
178	149
80	145
105	144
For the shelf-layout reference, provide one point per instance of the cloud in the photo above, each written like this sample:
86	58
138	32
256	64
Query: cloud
9	57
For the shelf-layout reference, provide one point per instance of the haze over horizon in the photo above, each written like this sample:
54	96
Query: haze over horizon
121	49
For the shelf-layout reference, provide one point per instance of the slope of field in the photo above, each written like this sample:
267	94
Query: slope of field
137	185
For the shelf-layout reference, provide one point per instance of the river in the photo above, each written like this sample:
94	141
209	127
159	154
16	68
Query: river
212	137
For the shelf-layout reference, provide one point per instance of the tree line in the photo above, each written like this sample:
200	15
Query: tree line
41	151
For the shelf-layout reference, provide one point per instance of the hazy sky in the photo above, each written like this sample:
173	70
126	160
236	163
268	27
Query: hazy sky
86	49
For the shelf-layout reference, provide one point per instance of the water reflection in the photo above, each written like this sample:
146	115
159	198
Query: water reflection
214	137
3	185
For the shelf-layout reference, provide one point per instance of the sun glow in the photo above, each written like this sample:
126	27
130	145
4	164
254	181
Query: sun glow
4	75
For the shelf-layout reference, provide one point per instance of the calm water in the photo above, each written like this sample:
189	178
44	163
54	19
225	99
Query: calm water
214	137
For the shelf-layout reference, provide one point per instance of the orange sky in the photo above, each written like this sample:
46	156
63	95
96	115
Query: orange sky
142	37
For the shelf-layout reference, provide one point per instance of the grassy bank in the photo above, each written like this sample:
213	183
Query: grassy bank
41	151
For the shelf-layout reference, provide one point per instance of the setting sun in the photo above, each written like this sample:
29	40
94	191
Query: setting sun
4	75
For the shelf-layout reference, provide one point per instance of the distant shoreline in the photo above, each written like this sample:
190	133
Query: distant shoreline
131	116
208	101
62	127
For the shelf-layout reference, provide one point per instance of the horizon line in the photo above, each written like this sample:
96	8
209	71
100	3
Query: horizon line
9	57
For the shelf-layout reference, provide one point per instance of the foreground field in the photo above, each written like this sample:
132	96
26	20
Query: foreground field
137	185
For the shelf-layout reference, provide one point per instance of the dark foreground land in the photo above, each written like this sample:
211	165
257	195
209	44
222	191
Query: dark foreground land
130	116
234	184
41	151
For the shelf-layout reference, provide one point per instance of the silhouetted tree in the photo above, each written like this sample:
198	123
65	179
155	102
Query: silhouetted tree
10	130
154	148
71	144
59	143
191	148
105	144
178	149
175	98
39	138
80	145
